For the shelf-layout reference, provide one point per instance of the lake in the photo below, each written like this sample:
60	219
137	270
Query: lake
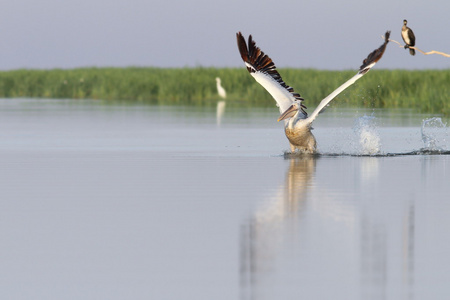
115	201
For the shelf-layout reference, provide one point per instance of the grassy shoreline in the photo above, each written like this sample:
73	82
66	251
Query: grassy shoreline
422	90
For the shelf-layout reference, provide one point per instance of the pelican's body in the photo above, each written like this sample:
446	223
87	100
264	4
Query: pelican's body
297	123
300	136
408	37
220	90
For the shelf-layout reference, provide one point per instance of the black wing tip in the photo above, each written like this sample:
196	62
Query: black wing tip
257	61
374	56
248	50
242	46
252	55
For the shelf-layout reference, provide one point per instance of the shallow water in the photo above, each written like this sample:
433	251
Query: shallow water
142	202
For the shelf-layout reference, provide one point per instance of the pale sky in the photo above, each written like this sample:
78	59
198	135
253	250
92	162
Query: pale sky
322	34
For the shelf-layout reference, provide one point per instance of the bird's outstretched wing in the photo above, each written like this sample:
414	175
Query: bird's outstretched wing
374	56
367	64
263	69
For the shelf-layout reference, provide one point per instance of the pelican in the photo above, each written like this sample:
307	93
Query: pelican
297	124
408	37
220	89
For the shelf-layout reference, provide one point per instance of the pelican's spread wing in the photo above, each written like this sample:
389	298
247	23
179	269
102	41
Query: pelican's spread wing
368	63
262	68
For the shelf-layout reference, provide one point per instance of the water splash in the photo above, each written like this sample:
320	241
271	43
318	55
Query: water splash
368	137
434	134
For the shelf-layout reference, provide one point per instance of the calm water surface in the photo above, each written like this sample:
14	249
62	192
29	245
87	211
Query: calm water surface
143	202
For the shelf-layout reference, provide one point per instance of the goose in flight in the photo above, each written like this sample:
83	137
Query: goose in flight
408	37
297	123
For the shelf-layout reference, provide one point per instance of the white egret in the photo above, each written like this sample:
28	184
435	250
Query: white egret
220	89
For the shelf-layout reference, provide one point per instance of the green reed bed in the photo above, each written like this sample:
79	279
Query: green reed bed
424	91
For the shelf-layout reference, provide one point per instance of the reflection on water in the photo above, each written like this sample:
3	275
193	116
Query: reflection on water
111	201
376	270
272	226
220	110
307	236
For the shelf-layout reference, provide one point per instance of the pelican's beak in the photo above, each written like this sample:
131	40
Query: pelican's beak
289	113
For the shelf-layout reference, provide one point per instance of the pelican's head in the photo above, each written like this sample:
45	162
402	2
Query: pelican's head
290	112
405	22
217	79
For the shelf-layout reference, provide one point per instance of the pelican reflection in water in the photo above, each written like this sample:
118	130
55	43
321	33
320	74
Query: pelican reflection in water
268	230
297	123
306	230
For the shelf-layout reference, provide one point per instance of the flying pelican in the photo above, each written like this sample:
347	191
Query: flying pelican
297	124
408	37
220	89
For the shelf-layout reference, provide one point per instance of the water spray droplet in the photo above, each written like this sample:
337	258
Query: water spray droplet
369	139
434	133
